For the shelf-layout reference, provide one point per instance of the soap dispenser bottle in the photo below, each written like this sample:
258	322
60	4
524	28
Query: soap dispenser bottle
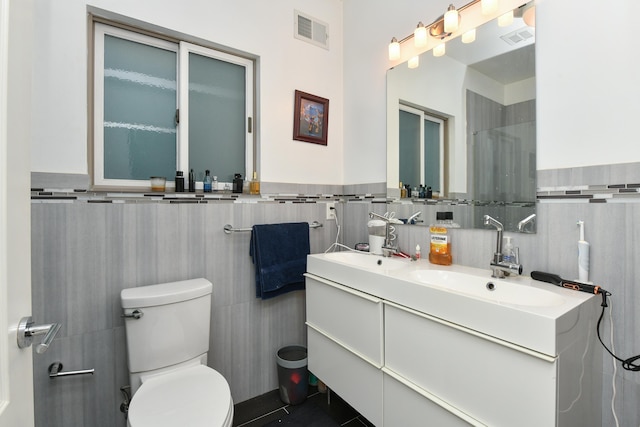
440	241
508	253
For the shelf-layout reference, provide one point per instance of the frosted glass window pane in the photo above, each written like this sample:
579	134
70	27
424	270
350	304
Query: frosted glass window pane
410	149
216	117
139	110
432	155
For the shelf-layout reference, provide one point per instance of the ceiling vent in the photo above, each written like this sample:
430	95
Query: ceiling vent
518	36
310	29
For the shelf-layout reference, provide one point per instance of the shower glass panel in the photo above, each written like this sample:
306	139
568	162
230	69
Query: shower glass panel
505	163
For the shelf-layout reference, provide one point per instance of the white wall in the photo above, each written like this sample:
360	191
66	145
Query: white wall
587	83
261	28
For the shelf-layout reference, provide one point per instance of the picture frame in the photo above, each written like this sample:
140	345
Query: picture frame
310	118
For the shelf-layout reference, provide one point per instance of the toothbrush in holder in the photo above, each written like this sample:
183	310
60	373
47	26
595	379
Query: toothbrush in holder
583	256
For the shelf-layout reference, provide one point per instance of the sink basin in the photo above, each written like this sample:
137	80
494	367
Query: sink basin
366	260
497	290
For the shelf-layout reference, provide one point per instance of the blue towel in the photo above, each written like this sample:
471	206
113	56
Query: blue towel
279	252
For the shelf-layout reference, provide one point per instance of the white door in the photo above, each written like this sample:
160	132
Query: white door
16	367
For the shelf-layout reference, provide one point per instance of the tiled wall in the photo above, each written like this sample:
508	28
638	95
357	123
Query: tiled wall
85	253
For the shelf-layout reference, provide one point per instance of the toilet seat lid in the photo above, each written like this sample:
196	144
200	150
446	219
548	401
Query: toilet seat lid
193	396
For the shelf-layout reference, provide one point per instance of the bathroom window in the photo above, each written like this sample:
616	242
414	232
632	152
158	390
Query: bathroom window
421	148
162	106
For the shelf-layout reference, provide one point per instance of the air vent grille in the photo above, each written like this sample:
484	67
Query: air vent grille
311	30
518	36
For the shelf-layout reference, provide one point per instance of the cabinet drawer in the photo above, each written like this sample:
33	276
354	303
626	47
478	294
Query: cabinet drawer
495	384
351	318
355	380
406	407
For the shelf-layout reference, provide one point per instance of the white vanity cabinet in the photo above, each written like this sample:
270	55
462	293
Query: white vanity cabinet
481	380
412	354
345	343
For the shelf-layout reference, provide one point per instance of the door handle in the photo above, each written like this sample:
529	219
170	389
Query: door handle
27	330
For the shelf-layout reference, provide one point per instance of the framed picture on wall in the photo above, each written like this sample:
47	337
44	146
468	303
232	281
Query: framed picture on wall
310	118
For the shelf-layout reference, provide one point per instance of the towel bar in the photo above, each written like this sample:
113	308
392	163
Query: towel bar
228	228
55	371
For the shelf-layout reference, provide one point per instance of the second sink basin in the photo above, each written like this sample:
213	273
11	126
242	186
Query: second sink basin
497	290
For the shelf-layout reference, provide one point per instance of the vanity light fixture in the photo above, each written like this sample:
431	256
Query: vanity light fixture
394	50
414	62
506	19
469	36
420	35
439	50
489	7
451	20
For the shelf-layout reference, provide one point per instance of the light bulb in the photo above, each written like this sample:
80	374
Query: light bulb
469	36
439	50
529	16
394	50
451	20
506	19
489	7
420	35
414	62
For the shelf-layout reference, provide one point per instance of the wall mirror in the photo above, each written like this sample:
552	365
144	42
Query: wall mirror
464	124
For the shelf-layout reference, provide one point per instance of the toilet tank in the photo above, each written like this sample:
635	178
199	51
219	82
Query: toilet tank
174	326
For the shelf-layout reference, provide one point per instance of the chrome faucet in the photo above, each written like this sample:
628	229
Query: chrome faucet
387	248
414	218
528	220
499	267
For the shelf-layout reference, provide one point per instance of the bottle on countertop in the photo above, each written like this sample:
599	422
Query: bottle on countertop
214	184
440	240
179	182
192	182
403	191
417	251
207	181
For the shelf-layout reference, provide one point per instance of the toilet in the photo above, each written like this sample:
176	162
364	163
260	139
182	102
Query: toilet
167	328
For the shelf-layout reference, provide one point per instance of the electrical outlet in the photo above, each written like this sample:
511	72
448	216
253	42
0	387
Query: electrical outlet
331	210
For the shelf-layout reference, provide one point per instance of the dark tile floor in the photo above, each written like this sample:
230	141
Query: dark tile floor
264	409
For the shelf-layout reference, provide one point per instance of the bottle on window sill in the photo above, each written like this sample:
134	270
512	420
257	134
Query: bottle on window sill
207	182
254	185
192	182
237	183
179	182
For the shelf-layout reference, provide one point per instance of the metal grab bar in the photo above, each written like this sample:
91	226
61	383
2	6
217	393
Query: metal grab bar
27	330
228	228
56	368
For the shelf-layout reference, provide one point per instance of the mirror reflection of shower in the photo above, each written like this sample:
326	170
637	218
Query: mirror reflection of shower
504	163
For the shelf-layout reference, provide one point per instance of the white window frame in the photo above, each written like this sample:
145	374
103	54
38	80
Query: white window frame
183	129
182	49
425	116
